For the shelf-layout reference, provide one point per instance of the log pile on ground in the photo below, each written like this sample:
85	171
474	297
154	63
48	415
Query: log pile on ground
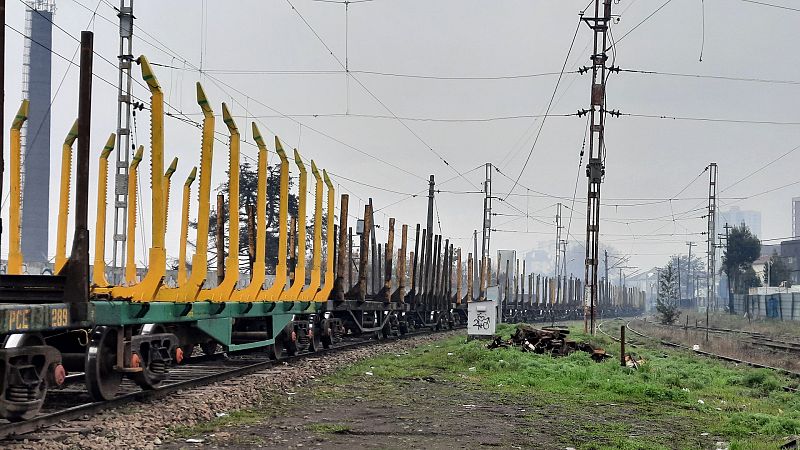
551	341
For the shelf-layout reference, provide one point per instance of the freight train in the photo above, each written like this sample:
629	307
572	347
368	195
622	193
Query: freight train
76	321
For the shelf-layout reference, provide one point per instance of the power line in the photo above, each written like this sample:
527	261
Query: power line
711	119
769	163
380	73
547	111
375	97
380	116
167	50
370	185
711	77
641	22
771	5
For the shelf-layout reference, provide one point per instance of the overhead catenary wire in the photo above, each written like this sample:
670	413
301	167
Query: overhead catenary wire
771	5
220	83
667	2
547	110
408	118
710	77
181	117
712	119
764	166
375	97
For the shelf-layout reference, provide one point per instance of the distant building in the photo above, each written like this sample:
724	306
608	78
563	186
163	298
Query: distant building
796	217
791	251
735	217
760	267
770	249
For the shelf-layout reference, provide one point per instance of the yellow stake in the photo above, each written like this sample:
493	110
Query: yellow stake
225	289
325	292
187	187
250	293
316	265
147	289
99	269
275	291
130	251
14	246
167	180
188	292
293	293
63	201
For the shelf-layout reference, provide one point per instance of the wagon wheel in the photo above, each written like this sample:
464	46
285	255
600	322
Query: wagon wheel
102	380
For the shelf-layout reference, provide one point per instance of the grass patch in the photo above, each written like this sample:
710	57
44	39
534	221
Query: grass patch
328	428
744	406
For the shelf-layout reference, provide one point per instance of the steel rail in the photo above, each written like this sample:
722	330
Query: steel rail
13	429
613	338
771	343
716	356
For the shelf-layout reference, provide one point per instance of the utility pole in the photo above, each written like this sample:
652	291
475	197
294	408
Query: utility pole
595	169
712	233
475	266
557	267
689	290
487	230
2	99
124	147
678	264
605	254
427	274
730	281
658	283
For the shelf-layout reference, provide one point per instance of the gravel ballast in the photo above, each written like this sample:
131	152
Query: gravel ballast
146	425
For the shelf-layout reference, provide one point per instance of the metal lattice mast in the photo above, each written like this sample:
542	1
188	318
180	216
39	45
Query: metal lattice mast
487	231
712	233
595	169
124	106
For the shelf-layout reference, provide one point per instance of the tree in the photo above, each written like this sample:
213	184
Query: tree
778	270
693	278
742	248
668	294
248	190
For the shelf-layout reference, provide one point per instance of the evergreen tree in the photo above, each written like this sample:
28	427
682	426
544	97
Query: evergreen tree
668	293
741	249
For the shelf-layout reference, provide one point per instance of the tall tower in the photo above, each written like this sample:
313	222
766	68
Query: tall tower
36	140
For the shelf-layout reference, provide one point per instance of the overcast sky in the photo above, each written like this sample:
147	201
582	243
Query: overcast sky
649	160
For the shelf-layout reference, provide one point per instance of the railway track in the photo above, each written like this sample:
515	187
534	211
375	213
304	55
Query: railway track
753	338
74	402
615	338
708	354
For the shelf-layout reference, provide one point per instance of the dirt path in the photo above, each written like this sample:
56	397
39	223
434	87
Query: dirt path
428	413
433	413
